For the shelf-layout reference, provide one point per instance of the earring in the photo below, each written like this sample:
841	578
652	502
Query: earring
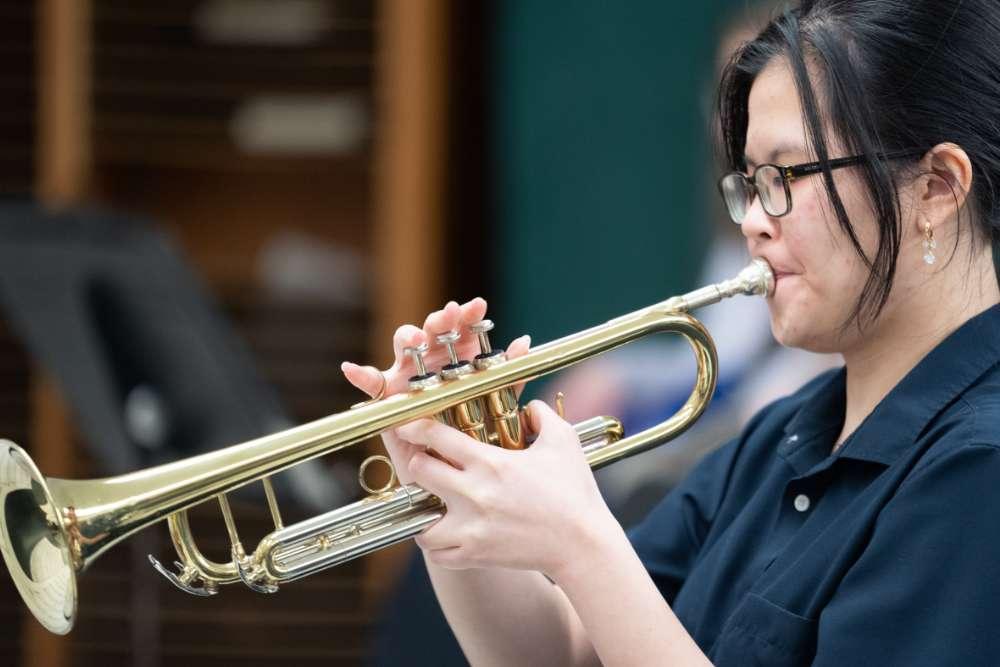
929	245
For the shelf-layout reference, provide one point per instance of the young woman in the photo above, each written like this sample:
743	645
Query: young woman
852	522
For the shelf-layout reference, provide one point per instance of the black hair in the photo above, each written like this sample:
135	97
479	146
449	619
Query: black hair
892	75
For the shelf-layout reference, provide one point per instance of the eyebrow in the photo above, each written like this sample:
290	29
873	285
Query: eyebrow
780	149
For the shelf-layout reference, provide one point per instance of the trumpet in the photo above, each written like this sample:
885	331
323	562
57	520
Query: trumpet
52	529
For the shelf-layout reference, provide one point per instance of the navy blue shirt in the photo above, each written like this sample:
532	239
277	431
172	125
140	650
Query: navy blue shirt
775	551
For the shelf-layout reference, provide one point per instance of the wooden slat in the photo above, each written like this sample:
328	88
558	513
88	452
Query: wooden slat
165	98
409	190
17	89
62	173
63	107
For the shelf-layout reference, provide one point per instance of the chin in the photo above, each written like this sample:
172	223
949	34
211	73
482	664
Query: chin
802	332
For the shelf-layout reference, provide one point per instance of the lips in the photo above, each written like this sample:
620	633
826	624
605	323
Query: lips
777	269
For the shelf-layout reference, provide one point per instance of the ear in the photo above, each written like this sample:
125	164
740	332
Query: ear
944	183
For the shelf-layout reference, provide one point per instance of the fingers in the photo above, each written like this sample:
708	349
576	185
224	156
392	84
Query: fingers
406	336
443	320
366	378
436	476
518	347
450	558
446	441
543	417
454	317
473	311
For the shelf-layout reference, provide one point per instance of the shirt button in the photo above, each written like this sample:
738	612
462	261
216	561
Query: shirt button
801	502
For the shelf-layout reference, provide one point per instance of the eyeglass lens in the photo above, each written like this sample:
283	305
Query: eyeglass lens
738	193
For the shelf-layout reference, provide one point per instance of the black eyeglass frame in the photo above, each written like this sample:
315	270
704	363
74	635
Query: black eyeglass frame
790	173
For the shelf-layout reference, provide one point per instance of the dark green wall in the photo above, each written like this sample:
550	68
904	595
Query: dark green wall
602	159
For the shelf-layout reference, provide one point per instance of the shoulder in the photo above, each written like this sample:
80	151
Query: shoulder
980	407
971	424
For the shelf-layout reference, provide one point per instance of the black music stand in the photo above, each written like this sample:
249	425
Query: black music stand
147	364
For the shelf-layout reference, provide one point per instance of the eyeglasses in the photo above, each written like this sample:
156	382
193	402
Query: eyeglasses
771	183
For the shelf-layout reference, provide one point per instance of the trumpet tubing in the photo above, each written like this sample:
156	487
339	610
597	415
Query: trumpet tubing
53	529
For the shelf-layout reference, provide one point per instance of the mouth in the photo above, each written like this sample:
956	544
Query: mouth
781	279
780	273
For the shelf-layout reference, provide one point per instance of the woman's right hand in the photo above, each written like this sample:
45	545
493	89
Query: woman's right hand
369	379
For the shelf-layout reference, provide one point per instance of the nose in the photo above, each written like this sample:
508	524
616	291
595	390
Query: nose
758	225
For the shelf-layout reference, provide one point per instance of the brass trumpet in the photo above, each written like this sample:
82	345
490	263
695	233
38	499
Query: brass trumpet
53	529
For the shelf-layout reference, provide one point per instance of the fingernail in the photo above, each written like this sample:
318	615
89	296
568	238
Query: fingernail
527	339
347	365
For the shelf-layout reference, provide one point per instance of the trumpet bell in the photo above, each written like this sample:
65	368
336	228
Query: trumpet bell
33	541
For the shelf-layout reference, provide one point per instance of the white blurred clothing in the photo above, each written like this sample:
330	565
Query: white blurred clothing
643	383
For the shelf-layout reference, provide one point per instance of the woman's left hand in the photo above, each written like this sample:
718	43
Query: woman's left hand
534	509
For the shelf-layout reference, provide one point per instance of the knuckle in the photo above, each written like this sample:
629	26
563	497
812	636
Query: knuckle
443	558
418	463
495	467
427	431
485	497
475	535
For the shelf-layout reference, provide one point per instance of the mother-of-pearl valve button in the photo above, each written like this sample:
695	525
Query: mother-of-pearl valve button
801	502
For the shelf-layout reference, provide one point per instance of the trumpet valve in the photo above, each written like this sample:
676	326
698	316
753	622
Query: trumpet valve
482	329
448	339
468	417
423	379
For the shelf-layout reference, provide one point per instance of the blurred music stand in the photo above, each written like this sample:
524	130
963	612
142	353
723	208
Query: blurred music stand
149	367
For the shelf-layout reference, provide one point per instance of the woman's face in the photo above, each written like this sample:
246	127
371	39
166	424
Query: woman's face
819	275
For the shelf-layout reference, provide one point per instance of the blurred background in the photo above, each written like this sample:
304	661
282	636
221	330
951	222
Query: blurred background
207	205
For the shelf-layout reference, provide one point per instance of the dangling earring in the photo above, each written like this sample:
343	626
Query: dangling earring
929	245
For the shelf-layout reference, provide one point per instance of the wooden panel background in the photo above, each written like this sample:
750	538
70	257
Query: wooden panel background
121	104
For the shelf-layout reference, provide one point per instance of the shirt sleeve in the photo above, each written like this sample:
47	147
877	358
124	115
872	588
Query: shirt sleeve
926	590
669	539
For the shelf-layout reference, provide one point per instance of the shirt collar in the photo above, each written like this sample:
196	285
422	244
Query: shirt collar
899	419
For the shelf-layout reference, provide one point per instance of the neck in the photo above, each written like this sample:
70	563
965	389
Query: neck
920	318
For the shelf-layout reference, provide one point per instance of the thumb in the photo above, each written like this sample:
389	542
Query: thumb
543	417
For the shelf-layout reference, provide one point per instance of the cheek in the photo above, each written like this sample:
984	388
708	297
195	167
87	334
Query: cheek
817	240
810	240
814	307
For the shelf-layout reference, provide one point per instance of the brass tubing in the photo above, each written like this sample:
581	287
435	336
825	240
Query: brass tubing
469	418
52	529
114	508
227	516
272	503
343	534
211	572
